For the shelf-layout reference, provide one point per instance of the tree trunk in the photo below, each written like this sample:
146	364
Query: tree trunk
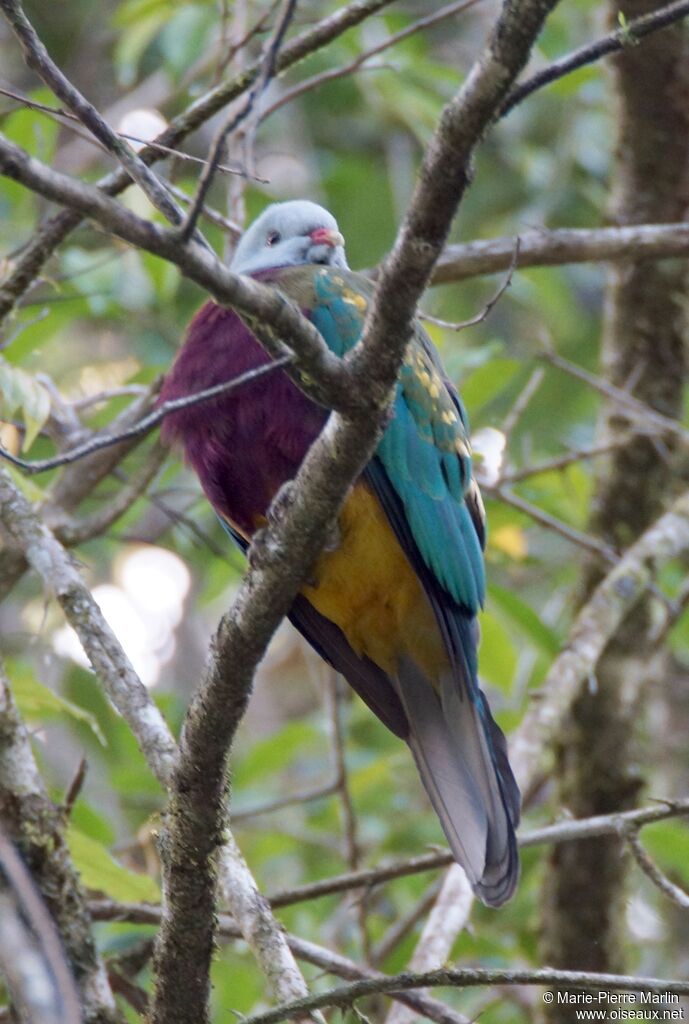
643	345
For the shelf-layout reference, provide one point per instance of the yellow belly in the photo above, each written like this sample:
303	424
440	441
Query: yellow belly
369	589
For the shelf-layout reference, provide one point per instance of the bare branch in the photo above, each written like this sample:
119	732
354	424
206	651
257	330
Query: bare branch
31	955
583	540
405	924
143	426
37	827
38	58
218	147
54	231
568	830
558	462
652	871
627	35
641	413
484	313
347	995
595	624
445	921
326	959
332	74
71	530
562	246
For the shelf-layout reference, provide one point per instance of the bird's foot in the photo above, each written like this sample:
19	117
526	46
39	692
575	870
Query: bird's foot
334	538
281	503
261	541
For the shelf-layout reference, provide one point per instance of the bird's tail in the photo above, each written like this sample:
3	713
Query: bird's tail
461	755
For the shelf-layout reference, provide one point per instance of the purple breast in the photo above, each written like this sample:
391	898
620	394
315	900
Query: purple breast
245	445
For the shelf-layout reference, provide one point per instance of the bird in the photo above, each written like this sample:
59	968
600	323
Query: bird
392	601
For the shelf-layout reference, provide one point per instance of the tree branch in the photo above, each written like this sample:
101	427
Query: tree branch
275	321
54	231
544	248
218	149
38	58
595	624
37	827
678	896
133	702
143	426
625	36
31	955
347	995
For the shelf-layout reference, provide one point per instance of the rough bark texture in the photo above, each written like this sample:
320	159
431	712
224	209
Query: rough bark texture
37	826
643	342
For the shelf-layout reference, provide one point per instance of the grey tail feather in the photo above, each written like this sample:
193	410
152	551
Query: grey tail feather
459	751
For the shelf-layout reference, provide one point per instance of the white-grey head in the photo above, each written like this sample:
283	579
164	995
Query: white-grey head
290	234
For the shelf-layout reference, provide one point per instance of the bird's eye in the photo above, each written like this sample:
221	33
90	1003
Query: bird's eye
273	238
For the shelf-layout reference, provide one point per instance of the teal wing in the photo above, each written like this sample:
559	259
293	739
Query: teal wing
425	451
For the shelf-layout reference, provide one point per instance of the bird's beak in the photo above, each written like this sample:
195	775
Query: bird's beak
326	236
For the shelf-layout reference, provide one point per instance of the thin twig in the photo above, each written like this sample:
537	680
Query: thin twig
345	996
38	58
214	216
583	540
219	144
641	412
333	74
483	314
53	231
617	40
522	402
144	425
404	925
558	462
651	869
334	695
72	530
305	796
67	116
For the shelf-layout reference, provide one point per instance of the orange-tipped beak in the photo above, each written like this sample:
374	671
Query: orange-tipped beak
326	236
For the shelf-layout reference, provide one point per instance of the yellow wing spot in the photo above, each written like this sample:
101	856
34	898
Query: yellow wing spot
351	297
462	448
449	417
434	388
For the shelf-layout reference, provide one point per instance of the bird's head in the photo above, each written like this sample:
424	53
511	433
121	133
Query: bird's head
288	235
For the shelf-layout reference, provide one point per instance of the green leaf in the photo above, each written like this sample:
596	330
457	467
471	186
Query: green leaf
487	381
667	842
525	618
276	752
37	703
100	871
19	390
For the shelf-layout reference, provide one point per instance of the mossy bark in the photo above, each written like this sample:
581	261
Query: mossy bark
643	345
